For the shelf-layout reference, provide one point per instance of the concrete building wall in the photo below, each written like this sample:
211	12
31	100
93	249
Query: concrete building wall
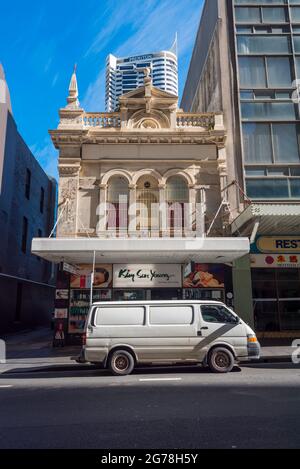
211	86
26	282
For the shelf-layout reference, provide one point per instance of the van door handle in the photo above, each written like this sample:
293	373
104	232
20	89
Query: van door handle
204	329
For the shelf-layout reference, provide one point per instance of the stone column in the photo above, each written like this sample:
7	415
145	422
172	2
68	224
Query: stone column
163	211
242	289
190	216
102	212
132	233
67	226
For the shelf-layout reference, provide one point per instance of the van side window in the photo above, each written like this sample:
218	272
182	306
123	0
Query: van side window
171	315
120	316
215	313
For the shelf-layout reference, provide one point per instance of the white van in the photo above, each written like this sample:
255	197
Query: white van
125	334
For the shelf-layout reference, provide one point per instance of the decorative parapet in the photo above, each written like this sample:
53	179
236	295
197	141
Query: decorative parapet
102	120
205	121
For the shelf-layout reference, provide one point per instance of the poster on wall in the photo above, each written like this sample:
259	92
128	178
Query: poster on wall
62	295
61	313
147	276
102	277
205	276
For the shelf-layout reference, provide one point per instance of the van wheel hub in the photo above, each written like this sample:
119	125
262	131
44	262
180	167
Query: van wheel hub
222	360
121	363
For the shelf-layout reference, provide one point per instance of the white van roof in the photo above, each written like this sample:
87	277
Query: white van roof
164	302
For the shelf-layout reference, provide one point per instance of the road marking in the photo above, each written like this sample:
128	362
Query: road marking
6	386
160	379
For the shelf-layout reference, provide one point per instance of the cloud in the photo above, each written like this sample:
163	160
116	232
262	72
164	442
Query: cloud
148	26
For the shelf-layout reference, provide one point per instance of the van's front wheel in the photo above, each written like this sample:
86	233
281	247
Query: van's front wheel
121	363
220	360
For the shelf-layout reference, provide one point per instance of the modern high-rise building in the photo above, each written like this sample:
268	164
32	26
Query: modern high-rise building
127	73
245	63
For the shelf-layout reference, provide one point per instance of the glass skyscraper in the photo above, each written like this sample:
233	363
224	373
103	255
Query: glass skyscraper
126	74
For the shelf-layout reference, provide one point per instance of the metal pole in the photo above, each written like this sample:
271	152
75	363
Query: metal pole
92	278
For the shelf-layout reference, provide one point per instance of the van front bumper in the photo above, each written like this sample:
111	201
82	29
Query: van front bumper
254	351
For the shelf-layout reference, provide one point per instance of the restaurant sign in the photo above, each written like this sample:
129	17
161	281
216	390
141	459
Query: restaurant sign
147	276
279	244
275	261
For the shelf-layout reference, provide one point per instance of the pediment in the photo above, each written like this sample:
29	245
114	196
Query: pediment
142	92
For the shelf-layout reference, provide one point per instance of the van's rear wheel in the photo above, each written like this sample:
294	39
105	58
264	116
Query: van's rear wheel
220	360
121	363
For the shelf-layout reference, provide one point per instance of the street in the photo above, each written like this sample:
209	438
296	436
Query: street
257	406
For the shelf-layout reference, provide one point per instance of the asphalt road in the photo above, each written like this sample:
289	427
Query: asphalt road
257	406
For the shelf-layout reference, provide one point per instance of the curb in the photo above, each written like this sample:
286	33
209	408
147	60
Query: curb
275	359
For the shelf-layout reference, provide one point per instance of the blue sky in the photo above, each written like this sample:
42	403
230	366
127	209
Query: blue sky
41	40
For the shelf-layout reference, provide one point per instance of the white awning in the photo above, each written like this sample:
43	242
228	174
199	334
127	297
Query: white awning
273	219
160	251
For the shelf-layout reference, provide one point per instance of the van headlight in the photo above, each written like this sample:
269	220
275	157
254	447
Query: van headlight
252	339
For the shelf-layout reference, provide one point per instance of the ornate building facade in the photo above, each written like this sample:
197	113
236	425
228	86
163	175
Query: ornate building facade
142	201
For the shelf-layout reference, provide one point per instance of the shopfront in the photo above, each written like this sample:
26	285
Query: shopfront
150	269
275	268
133	282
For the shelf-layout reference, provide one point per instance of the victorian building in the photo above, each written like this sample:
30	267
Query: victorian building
142	206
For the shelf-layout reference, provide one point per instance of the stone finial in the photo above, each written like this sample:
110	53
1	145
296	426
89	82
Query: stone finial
72	99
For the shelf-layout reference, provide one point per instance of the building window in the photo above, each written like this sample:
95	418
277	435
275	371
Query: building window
271	143
24	234
18	302
177	195
263	45
273	188
147	197
42	200
27	184
269	72
268	111
118	201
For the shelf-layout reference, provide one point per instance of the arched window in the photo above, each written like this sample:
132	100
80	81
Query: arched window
177	195
117	204
147	197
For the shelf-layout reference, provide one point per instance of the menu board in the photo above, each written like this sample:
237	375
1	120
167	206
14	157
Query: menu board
80	306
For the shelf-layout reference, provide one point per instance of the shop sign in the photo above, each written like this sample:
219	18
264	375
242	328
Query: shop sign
102	277
273	261
205	276
62	295
71	269
279	244
147	276
61	313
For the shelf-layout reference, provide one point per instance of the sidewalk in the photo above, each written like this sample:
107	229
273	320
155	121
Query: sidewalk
32	350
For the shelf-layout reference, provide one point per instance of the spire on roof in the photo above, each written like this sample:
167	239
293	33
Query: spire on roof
72	99
174	47
4	91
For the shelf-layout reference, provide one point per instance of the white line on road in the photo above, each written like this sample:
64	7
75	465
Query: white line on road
6	386
160	379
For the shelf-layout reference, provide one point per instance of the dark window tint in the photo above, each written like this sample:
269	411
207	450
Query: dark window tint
42	200
24	234
217	314
27	184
